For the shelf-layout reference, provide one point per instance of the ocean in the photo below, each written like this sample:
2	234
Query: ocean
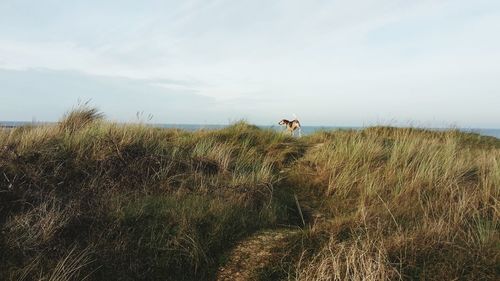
305	129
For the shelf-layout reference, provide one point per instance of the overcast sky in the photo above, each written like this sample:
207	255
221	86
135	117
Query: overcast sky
340	63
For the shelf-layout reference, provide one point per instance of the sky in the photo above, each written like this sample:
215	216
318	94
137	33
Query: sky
433	63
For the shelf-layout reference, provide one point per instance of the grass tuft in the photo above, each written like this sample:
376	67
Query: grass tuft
79	118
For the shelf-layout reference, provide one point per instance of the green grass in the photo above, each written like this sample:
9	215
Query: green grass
87	198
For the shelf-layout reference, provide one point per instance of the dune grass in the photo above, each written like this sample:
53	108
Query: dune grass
400	204
146	203
89	199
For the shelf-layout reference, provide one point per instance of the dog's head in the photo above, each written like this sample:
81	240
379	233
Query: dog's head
283	122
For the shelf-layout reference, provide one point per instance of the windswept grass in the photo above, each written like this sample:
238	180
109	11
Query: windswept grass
86	198
401	204
152	203
79	118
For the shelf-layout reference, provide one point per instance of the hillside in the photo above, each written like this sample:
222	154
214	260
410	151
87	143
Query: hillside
94	200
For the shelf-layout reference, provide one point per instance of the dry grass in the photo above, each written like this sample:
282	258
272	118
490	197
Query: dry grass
402	204
152	203
357	260
37	226
79	118
380	204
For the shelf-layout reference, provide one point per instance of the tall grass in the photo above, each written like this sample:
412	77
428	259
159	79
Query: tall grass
401	204
80	117
166	204
152	203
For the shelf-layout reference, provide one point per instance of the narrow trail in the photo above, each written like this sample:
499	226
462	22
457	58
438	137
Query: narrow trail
259	250
252	254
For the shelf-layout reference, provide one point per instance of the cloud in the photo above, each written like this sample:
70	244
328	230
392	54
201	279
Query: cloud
47	94
348	62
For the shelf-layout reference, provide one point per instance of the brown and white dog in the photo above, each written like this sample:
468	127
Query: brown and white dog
291	126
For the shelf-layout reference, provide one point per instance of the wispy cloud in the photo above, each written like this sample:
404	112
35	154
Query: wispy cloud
31	93
327	60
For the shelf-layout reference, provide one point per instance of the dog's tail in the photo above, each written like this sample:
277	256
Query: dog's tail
300	125
296	118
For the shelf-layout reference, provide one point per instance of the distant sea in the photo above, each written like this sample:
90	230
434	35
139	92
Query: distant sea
305	129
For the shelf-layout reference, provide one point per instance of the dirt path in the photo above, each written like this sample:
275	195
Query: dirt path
252	254
259	250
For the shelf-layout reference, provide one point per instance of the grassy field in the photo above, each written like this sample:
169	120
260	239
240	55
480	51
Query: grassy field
89	199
